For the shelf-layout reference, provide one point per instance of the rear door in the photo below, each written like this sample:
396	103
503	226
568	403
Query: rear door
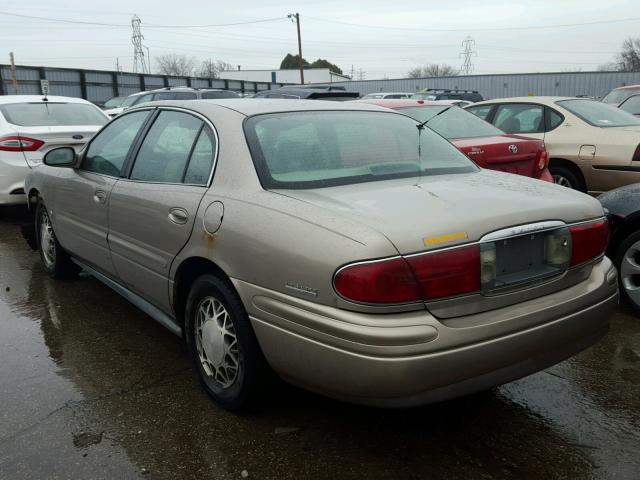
80	197
152	211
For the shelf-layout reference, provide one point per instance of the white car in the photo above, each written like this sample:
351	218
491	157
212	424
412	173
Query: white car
386	95
31	126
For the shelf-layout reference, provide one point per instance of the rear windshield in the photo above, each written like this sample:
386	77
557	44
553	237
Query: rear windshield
452	122
220	94
319	149
599	114
48	114
619	95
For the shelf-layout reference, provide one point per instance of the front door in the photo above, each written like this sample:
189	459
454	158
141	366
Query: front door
82	197
152	211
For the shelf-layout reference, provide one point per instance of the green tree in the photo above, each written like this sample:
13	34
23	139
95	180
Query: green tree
292	61
322	63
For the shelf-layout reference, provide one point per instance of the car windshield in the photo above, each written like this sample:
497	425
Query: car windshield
452	122
319	149
619	95
115	102
49	114
599	114
130	100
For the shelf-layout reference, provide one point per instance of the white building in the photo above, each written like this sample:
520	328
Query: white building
311	75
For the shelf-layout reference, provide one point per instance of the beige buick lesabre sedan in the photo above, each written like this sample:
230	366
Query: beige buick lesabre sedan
347	248
592	146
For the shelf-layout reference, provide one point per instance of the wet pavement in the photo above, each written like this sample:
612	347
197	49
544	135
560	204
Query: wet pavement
90	387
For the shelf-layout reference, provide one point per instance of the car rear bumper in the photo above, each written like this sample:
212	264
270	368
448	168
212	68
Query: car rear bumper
408	359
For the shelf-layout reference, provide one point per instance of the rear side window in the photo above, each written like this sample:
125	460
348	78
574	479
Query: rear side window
481	111
109	148
520	118
48	114
201	160
632	105
554	119
452	122
165	151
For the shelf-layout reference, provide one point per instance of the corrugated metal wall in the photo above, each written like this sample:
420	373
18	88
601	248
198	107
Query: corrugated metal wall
99	86
508	85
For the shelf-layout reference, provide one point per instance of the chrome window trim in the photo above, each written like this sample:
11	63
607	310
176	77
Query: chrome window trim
215	156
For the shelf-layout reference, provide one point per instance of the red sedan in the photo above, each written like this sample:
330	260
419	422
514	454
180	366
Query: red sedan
483	143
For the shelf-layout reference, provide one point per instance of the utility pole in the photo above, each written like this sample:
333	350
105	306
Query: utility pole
14	78
296	16
352	72
361	74
469	45
148	60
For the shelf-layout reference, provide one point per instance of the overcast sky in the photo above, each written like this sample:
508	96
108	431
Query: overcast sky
384	39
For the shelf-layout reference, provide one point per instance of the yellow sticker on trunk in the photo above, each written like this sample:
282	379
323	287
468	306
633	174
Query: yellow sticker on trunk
447	237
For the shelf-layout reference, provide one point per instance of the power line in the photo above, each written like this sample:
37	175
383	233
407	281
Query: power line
487	29
82	22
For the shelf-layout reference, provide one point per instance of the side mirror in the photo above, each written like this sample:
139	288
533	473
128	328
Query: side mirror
60	157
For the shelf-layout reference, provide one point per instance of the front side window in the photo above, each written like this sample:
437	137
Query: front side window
164	153
109	148
599	114
219	94
318	149
48	114
452	122
520	118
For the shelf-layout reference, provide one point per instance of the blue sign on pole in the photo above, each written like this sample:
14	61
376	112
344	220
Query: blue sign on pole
273	77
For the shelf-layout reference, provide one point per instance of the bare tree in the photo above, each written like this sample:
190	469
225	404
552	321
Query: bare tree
212	68
174	64
433	70
629	57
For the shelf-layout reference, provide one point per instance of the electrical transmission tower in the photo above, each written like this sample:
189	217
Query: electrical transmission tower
468	45
139	63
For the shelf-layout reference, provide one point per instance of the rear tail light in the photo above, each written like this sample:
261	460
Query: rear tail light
544	159
466	269
384	281
636	155
589	240
447	273
20	144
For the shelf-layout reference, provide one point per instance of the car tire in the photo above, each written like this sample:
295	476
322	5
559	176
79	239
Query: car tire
223	347
566	177
627	261
55	259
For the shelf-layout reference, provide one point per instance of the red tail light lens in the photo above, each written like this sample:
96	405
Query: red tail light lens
544	160
447	273
589	240
20	144
385	281
420	277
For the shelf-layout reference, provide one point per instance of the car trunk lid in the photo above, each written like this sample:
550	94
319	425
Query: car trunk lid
54	137
504	153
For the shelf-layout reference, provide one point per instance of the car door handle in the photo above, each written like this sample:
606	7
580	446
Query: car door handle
100	196
178	216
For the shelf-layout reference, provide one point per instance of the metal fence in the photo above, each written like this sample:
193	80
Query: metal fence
595	84
99	86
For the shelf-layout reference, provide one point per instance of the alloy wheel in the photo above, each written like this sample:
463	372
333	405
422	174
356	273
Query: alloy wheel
47	240
630	273
562	181
216	342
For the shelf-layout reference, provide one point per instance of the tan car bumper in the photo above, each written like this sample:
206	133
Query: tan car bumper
412	358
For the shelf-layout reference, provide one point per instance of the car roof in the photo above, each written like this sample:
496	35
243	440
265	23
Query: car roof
400	103
257	106
627	86
5	99
390	93
542	99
